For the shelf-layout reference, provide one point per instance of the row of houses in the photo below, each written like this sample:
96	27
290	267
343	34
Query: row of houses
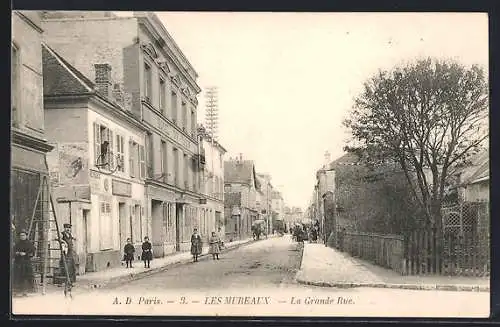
106	108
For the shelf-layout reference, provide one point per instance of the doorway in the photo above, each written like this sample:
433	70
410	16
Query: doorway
85	234
178	215
123	221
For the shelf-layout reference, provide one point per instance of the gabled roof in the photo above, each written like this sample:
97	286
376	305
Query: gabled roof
348	159
240	172
61	78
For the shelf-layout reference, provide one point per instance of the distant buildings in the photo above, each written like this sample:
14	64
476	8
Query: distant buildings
240	188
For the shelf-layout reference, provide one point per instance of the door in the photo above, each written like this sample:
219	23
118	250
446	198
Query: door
85	236
178	215
124	222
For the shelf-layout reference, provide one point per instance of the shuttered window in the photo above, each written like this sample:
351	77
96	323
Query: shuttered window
132	154
142	161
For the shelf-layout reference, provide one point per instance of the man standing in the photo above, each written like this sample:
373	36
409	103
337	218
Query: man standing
68	238
221	237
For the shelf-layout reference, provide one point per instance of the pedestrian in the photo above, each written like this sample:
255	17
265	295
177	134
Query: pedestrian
147	254
23	269
196	245
214	249
221	238
128	253
68	238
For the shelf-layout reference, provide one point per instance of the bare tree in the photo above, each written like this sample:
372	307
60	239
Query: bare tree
428	117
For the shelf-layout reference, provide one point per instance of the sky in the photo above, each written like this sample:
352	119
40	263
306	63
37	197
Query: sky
287	80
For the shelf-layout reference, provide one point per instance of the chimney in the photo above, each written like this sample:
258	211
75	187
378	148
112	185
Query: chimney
103	79
327	159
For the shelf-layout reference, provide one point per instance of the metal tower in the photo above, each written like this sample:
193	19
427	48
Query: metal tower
212	112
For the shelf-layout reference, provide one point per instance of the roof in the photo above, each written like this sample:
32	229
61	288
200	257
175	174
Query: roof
240	172
348	159
478	170
61	78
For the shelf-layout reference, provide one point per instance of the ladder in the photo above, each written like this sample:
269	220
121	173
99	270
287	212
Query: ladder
46	237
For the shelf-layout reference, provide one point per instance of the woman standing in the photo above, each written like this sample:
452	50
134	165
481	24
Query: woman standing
23	270
196	245
129	251
147	254
214	246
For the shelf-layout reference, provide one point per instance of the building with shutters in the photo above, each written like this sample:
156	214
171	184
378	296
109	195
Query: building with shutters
211	184
157	85
99	190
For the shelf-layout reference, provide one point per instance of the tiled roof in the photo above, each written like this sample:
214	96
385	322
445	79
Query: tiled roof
60	78
348	159
239	171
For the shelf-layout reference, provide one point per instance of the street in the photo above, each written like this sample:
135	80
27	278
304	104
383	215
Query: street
257	279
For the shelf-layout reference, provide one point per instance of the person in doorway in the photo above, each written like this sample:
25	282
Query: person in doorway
147	253
128	255
214	246
196	245
23	269
68	238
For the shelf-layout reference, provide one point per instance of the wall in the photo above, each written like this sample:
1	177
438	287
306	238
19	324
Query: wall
26	38
477	192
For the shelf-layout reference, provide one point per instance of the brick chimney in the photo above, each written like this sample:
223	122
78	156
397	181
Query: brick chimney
103	79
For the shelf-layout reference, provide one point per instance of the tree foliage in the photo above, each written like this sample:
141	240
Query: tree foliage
428	117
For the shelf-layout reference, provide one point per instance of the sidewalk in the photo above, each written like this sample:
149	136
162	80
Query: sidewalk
324	266
119	275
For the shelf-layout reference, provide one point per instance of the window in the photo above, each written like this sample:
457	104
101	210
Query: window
173	104
14	57
193	123
163	157
132	158
142	162
120	152
186	171
149	155
105	224
184	116
163	96
103	136
176	167
147	82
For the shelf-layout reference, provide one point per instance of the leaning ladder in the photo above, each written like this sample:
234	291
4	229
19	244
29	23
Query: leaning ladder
43	225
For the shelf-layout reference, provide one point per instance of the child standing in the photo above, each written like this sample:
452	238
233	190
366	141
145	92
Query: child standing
129	251
147	254
214	246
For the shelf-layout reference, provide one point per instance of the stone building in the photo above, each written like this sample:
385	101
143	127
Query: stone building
240	191
156	83
28	140
100	192
266	190
211	184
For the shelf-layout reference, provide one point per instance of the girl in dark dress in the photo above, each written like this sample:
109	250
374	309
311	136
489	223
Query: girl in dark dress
196	245
147	254
23	269
129	251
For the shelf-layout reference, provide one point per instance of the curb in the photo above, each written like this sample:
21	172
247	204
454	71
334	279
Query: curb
419	287
131	277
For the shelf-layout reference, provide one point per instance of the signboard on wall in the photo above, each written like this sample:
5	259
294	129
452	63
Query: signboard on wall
121	188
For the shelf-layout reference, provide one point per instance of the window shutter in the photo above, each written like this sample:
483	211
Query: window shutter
97	144
111	157
131	158
141	161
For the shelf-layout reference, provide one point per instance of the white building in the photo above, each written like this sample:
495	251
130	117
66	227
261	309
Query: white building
212	184
100	193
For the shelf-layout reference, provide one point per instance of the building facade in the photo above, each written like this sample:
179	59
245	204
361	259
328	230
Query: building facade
157	84
99	192
28	141
240	192
266	189
211	184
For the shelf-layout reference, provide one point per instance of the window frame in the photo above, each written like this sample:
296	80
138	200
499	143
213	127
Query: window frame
148	81
141	161
162	101
15	70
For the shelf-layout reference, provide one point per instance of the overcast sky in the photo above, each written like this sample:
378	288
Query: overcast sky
286	80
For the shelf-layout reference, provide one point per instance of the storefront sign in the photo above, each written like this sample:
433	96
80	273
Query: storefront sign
121	188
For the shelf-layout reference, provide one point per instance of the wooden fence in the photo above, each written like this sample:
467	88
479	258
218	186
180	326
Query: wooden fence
463	252
383	250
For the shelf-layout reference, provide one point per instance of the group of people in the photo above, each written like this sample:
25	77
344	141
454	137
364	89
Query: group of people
216	243
24	251
302	232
